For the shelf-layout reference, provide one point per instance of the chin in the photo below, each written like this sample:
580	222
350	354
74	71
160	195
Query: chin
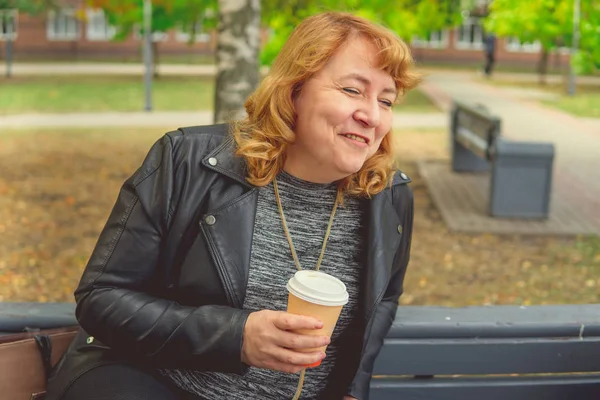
351	169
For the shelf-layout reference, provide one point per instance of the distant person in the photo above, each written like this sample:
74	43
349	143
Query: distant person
489	44
184	296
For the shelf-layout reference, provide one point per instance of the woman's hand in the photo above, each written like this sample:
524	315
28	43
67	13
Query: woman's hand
269	344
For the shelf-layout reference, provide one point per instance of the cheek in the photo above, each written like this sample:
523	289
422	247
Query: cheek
339	110
383	129
386	123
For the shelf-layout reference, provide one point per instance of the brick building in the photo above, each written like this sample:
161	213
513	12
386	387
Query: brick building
76	32
464	45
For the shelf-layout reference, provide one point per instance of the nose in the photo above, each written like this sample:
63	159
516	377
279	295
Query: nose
368	114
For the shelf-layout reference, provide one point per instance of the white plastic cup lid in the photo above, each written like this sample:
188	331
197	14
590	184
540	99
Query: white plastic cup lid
318	288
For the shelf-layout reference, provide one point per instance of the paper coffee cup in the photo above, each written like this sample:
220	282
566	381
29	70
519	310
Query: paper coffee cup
319	295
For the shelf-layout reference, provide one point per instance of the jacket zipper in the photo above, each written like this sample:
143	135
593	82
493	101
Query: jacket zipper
229	292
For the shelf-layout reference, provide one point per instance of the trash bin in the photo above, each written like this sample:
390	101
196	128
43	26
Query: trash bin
521	179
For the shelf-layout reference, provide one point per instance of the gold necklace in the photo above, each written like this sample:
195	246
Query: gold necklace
295	257
287	232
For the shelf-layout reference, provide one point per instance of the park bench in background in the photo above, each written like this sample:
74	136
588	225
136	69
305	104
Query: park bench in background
431	353
521	172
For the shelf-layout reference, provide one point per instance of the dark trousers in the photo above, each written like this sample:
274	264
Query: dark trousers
123	382
489	64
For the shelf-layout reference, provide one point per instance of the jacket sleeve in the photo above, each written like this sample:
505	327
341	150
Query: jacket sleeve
114	300
386	310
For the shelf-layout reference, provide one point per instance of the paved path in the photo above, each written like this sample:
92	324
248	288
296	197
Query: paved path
576	140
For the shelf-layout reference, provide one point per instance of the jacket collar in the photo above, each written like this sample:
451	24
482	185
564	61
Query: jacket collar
223	160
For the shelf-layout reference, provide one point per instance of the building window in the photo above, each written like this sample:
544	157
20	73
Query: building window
469	36
184	34
435	40
8	24
62	25
515	45
97	26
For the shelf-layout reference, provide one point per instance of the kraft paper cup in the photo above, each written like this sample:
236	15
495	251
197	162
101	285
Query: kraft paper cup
319	295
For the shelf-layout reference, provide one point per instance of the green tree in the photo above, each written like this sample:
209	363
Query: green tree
551	23
29	6
127	16
408	18
587	58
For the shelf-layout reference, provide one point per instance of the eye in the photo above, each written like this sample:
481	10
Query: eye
386	103
351	90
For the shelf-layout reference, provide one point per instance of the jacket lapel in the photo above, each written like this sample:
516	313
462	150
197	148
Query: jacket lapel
383	239
229	231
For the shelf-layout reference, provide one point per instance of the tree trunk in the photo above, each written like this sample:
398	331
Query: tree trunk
238	46
543	65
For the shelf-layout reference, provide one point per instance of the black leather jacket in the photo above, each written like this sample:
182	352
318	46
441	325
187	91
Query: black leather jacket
165	284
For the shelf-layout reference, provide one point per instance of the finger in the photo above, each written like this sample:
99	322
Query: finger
287	321
295	358
292	340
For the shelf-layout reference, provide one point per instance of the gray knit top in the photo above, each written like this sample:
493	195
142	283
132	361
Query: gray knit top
307	207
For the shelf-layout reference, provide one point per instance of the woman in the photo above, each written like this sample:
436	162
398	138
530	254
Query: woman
183	296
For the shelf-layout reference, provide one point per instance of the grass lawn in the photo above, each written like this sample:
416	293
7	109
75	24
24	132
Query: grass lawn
583	105
58	186
586	102
102	93
417	102
125	93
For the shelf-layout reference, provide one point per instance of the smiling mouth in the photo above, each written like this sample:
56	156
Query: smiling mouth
357	138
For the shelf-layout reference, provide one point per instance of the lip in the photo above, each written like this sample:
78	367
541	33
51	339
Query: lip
366	138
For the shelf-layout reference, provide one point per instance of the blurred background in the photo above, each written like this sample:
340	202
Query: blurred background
87	86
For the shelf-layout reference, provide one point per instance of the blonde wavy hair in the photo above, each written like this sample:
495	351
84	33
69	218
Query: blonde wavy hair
263	137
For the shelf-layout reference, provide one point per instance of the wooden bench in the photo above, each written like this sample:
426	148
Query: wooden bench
431	353
27	332
521	172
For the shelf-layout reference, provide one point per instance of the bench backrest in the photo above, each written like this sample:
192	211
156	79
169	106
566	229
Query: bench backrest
474	128
430	353
501	352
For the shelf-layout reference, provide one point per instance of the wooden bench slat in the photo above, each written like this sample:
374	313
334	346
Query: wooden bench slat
579	387
487	356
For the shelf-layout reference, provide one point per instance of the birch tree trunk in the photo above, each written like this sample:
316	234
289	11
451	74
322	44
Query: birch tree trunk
238	45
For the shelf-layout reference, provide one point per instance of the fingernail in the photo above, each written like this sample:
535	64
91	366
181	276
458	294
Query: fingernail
323	355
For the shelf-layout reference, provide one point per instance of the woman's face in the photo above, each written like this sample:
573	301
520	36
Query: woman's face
343	113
